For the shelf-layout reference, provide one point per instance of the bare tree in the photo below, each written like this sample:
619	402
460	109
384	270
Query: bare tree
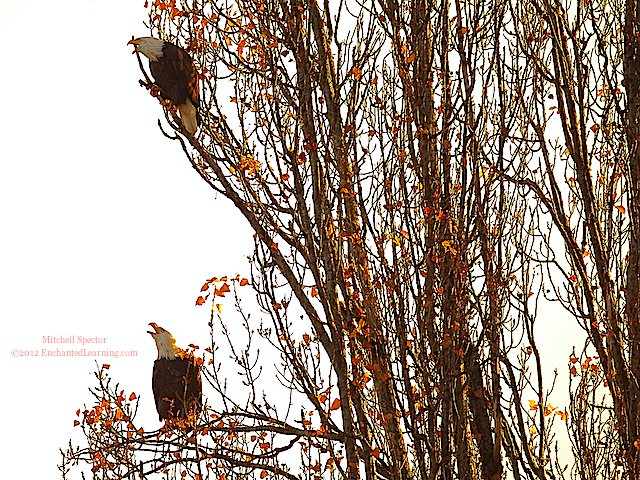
421	177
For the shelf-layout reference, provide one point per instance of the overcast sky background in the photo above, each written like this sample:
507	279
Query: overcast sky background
105	226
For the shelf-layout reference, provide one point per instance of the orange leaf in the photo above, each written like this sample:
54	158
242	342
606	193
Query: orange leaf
76	423
306	339
205	287
411	58
199	301
263	474
132	396
621	209
335	405
244	282
314	292
222	290
219	307
533	405
376	452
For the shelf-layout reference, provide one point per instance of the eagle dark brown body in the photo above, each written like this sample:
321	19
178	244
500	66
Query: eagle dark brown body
176	76
177	383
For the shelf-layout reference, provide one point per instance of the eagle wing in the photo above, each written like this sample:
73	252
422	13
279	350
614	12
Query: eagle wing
176	76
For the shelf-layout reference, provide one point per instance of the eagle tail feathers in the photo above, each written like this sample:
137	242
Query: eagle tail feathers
188	113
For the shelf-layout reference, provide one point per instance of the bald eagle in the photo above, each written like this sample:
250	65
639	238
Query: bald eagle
177	385
175	75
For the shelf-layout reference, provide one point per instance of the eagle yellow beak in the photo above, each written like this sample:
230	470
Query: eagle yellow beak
155	327
135	44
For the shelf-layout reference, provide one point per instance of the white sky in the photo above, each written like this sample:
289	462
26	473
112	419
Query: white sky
104	226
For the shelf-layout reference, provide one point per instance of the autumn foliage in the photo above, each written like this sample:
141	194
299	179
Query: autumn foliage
424	179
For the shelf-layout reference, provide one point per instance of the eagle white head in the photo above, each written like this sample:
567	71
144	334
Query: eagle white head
165	343
150	47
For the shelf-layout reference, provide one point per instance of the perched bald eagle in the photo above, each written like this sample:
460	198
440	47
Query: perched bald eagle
177	385
175	75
